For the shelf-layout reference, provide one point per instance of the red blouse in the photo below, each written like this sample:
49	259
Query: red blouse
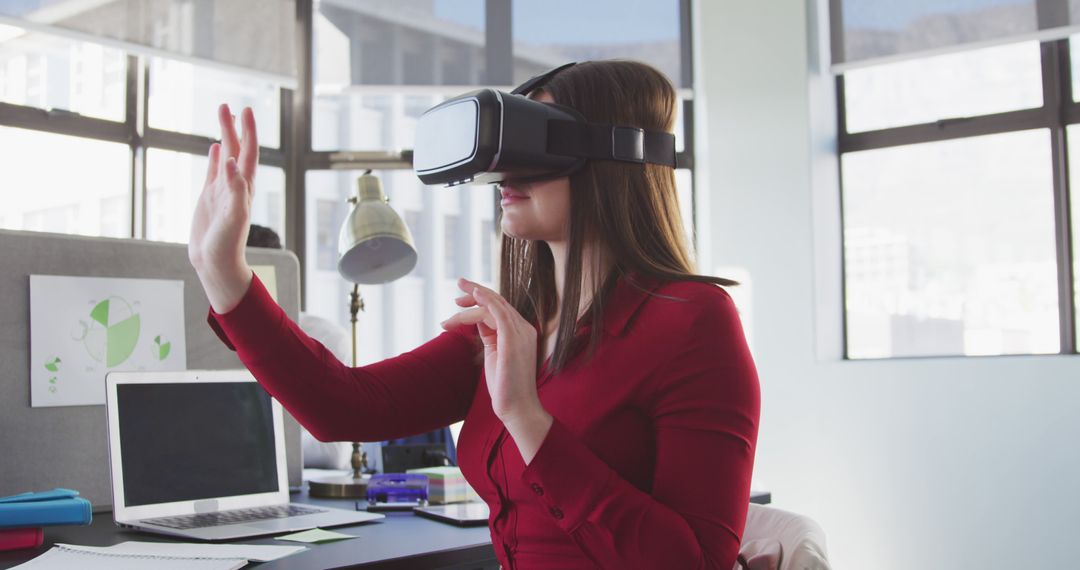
647	464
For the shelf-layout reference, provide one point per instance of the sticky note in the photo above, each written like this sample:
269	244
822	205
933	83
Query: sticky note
315	536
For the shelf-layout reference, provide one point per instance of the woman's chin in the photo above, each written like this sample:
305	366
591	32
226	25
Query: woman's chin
522	227
515	228
509	231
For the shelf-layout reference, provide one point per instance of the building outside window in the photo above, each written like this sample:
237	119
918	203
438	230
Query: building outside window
378	67
132	117
949	140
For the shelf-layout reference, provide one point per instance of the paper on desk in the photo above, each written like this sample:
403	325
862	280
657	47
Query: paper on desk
65	558
255	552
315	536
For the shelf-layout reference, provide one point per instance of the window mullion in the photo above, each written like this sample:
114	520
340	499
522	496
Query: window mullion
61	122
686	45
1056	96
135	125
498	43
295	143
841	134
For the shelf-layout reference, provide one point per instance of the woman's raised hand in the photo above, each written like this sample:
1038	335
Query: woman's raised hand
219	228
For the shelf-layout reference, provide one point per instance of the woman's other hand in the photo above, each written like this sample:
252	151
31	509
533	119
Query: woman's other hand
509	363
219	227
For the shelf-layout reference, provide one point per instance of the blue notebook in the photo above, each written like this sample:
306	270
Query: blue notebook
47	508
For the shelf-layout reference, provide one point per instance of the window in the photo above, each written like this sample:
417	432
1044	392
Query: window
375	68
366	55
969	83
185	96
375	71
545	35
82	82
452	258
446	229
174	181
48	72
949	248
951	241
89	196
487	246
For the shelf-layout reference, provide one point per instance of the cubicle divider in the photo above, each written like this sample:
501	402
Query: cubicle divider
46	447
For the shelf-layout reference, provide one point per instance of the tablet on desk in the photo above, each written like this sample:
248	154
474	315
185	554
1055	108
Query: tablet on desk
461	514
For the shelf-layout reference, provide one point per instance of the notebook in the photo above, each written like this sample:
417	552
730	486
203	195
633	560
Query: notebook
45	508
201	454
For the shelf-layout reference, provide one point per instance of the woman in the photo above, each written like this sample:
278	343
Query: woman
610	402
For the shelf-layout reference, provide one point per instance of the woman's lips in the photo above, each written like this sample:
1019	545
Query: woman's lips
511	195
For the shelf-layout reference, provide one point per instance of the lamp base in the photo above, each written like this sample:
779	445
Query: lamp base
341	487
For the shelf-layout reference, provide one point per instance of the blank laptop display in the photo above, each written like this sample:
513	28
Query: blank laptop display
201	454
188	442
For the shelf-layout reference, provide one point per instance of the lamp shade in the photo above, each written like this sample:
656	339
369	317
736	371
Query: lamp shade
374	245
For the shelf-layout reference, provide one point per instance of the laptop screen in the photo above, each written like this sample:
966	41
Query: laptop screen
197	440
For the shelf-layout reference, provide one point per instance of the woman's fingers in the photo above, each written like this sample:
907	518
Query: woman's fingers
505	314
230	144
470	288
496	303
476	315
237	183
488	337
508	321
212	167
248	159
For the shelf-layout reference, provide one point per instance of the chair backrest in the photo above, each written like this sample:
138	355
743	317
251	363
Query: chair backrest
782	540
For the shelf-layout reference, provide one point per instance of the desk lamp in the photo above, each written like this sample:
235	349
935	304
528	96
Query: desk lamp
374	247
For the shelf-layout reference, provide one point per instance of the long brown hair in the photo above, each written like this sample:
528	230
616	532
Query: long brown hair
632	210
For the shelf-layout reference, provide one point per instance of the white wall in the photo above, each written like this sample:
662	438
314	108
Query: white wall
921	463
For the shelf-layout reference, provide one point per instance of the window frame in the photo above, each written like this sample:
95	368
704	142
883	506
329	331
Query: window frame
134	132
1057	112
294	153
499	54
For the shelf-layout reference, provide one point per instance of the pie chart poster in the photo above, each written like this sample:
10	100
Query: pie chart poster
82	328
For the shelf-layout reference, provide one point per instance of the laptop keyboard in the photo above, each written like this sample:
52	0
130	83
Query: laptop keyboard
237	516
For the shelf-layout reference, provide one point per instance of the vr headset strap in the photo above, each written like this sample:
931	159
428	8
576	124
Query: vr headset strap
607	142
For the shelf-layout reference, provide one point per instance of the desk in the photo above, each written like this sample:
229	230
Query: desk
400	541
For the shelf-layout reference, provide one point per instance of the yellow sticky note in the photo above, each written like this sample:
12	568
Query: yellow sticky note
268	275
315	536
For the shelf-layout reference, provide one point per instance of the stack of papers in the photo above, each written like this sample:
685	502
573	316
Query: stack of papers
164	555
446	485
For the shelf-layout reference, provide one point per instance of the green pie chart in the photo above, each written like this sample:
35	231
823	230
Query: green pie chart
113	331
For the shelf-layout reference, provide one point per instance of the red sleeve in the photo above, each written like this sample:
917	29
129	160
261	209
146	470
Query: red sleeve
418	391
705	412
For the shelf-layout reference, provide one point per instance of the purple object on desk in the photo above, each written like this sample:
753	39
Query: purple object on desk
397	488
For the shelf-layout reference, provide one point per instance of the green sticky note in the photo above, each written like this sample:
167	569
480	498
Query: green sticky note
315	536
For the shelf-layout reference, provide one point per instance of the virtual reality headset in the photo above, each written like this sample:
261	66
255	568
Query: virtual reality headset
488	136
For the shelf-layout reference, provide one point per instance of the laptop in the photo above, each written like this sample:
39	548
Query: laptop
201	454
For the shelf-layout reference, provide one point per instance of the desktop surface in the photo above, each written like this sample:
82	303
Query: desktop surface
401	540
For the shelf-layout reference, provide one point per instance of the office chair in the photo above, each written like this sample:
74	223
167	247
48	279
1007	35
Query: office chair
775	539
